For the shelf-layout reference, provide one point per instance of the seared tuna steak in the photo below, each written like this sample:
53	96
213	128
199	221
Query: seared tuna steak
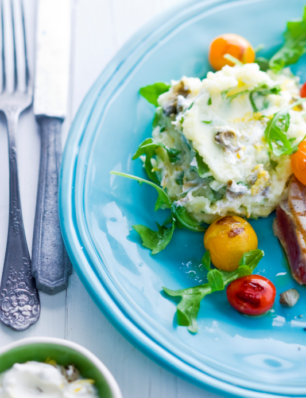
290	228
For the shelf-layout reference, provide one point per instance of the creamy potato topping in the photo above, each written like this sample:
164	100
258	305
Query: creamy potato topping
218	125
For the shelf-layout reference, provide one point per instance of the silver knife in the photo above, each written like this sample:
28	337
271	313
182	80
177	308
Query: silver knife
50	263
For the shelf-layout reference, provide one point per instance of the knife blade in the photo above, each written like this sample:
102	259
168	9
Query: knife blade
50	263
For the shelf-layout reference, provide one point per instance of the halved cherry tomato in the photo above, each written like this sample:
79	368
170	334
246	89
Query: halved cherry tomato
298	163
251	295
232	44
303	91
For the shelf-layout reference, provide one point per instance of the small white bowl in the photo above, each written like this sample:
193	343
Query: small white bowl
64	353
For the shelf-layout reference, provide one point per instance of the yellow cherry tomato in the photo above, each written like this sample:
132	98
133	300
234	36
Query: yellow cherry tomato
232	44
227	239
298	163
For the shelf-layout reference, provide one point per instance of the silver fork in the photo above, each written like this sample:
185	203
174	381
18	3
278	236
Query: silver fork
19	299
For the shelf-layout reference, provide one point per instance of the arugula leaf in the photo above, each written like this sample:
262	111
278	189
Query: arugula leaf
148	148
149	152
294	46
155	240
206	260
163	199
233	59
233	96
189	306
275	132
184	220
261	90
215	280
152	92
202	168
251	259
158	117
158	240
263	63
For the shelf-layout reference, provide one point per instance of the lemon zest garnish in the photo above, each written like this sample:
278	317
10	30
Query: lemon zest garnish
241	87
257	116
50	361
262	180
90	381
298	108
248	117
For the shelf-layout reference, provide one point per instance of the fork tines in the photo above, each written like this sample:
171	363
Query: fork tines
14	67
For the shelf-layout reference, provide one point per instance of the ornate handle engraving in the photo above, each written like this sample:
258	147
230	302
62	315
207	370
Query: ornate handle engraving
19	300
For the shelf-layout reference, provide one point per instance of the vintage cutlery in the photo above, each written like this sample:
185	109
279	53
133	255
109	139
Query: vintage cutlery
50	263
19	299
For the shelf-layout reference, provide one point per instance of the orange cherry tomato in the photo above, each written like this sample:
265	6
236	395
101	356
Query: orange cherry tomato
298	163
251	295
232	44
303	91
227	239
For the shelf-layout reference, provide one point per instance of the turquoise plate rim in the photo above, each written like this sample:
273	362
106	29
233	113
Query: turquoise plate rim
78	243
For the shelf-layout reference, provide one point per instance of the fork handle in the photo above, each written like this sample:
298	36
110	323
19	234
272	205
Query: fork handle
19	299
50	263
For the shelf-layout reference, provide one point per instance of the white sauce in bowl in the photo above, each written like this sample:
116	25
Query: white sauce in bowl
35	379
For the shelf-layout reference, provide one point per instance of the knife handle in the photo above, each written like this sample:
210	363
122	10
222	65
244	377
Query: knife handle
50	263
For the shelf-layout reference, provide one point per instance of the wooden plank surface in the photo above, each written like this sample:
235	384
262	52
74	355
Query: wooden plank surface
100	28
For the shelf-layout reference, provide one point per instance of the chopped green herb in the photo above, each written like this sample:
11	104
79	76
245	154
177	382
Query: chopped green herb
189	306
182	120
180	179
209	102
190	106
294	46
224	93
152	92
202	168
206	121
234	60
273	164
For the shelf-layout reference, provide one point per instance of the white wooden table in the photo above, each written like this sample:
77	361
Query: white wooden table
100	28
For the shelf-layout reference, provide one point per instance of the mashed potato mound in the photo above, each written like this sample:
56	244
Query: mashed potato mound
218	125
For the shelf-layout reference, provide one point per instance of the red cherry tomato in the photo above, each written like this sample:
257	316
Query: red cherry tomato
251	295
298	163
303	91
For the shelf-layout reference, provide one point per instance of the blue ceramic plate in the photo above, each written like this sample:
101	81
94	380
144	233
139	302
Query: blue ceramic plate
231	353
